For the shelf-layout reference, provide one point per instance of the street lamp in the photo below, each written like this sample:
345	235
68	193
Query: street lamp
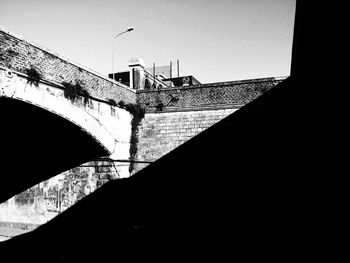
128	30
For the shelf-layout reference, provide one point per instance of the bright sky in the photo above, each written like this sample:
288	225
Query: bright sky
215	41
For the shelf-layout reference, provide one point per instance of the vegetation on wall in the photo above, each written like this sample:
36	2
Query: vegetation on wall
12	53
260	88
72	91
112	102
34	76
7	55
121	104
138	113
160	105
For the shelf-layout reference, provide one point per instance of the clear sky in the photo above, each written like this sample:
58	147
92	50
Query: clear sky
215	40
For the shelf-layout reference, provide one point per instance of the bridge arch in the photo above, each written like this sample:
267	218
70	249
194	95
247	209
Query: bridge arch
52	133
53	100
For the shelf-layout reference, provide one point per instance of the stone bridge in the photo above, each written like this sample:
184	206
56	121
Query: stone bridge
46	132
107	124
48	125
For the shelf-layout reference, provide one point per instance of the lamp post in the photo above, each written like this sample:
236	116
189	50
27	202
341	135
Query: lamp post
128	30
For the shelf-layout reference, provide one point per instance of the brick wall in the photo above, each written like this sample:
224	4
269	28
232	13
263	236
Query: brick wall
19	54
214	95
159	133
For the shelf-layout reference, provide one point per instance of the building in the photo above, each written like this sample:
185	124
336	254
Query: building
141	78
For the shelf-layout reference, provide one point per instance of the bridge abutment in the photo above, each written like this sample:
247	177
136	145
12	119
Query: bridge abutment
49	198
105	123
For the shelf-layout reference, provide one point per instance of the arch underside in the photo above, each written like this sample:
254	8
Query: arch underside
37	145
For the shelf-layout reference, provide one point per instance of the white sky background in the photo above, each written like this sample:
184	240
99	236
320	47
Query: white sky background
215	41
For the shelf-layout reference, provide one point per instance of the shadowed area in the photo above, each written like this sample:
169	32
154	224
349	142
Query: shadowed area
240	190
37	145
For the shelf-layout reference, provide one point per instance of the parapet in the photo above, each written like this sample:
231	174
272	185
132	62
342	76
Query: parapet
19	54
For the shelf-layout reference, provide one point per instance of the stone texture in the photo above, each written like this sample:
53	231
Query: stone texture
44	201
186	112
214	95
18	54
159	133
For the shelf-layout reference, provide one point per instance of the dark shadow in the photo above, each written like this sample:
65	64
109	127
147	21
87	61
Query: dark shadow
37	145
243	189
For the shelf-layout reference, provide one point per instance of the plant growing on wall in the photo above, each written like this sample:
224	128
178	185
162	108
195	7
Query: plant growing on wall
34	76
72	91
138	114
112	102
121	104
12	53
260	88
8	54
69	91
160	105
85	94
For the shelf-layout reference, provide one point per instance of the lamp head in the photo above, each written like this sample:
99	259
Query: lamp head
130	29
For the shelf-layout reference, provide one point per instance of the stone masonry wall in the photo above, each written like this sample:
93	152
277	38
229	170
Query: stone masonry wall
44	201
175	115
19	54
159	133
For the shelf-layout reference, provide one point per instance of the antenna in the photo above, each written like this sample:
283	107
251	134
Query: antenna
178	68
154	74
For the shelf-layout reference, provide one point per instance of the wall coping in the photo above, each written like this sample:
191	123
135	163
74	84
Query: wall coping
199	108
215	84
47	50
